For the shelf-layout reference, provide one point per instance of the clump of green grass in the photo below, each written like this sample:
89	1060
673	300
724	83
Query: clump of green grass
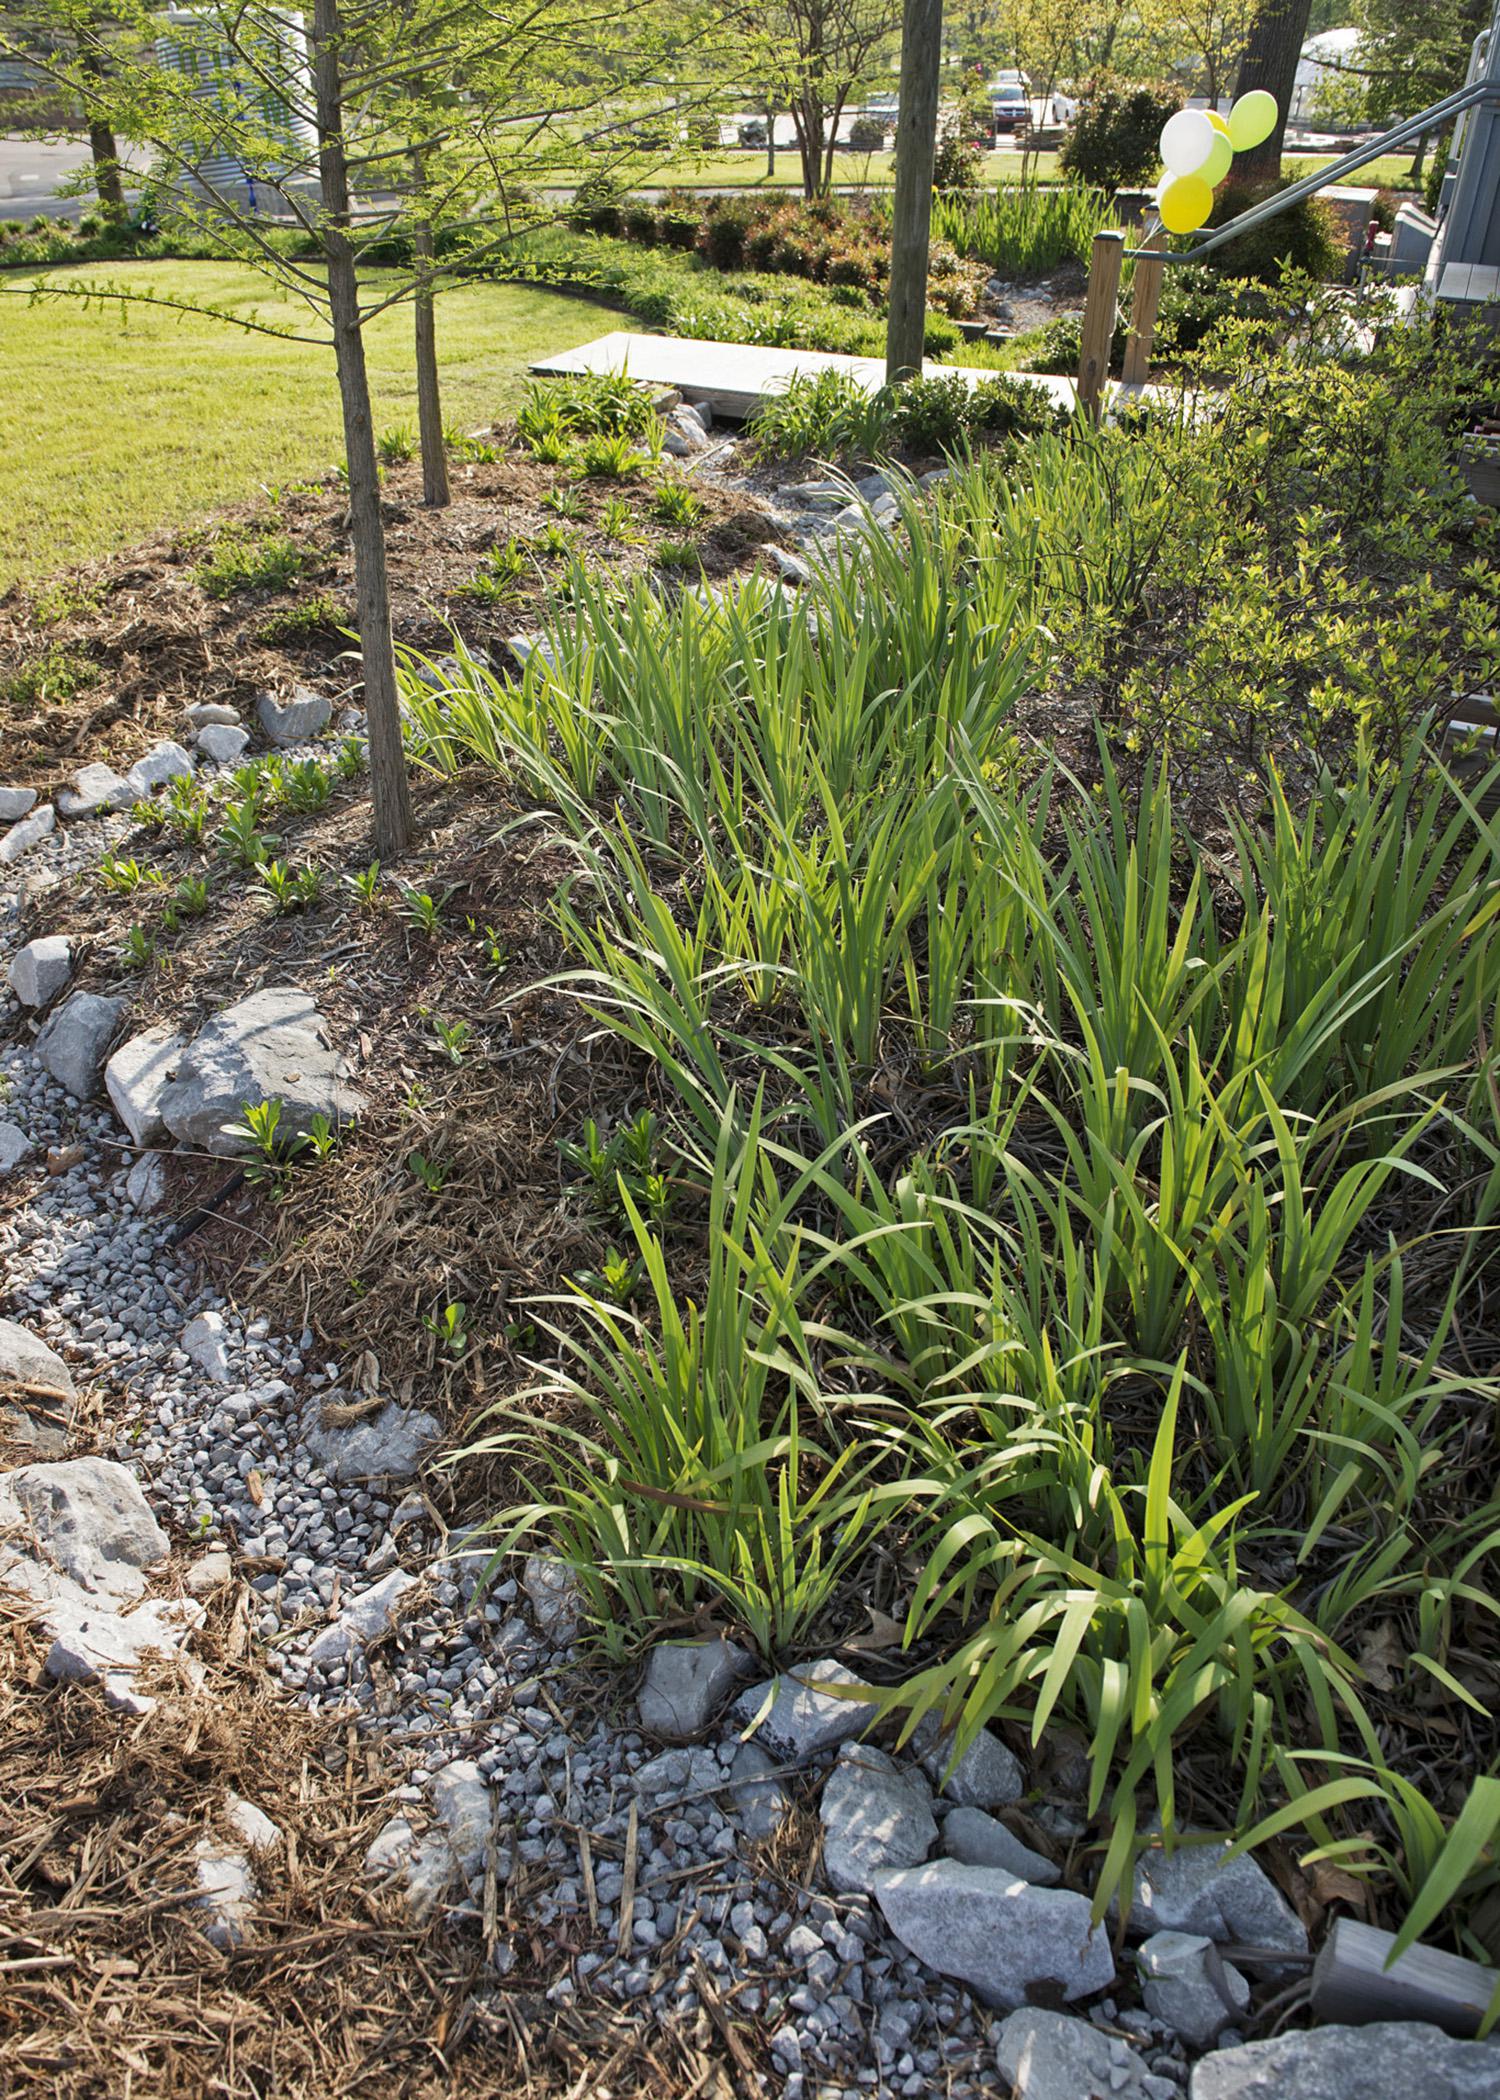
310	619
241	560
55	674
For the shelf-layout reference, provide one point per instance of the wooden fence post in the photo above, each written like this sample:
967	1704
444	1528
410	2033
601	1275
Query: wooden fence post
1099	319
1145	298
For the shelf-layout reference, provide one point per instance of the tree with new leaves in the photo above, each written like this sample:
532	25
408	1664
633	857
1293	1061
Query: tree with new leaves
812	56
315	113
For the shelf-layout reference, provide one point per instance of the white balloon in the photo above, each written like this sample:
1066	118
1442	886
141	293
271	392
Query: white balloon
1186	141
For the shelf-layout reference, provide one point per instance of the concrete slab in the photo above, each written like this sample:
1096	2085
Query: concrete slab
734	377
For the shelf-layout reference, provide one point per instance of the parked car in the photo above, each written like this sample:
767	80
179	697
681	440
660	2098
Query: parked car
884	108
1010	103
753	134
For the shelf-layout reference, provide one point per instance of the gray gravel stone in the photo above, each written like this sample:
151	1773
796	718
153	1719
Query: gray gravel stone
137	1076
203	1343
1391	2060
987	1775
1001	1936
294	721
75	1039
37	1395
41	969
272	1045
1052	2056
1186	1982
793	1716
686	1683
983	1841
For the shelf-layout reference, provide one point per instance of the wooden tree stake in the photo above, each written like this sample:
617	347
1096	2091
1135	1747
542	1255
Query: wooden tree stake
1099	319
1145	299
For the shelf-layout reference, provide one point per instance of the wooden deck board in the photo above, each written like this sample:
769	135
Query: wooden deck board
733	377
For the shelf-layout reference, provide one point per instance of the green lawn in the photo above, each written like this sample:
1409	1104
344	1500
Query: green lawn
120	420
748	170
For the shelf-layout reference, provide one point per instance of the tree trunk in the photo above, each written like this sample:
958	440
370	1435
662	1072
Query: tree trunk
770	143
389	789
1418	161
103	146
1270	62
911	207
436	493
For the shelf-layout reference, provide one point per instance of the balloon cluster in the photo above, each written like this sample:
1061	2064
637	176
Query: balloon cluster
1197	146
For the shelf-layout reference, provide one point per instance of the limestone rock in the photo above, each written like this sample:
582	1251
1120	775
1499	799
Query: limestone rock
1002	1937
464	1805
424	1868
272	1045
874	1815
41	969
137	1076
163	762
95	789
791	567
294	721
684	435
552	1589
758	1800
75	1039
16	803
222	742
15	1147
89	1518
365	1618
28	833
1390	2060
146	1183
37	1395
1193	1890
203	1343
388	1445
986	1776
1187	1983
983	1841
1052	2056
799	1716
208	1573
251	1825
90	1641
686	1683
688	1770
226	1894
209	714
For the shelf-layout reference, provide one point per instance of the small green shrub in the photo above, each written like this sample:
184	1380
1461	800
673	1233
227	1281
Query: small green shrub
1308	239
242	560
1112	141
311	619
57	673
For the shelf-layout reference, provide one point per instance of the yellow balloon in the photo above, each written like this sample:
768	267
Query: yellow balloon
1252	119
1185	203
1220	124
1219	161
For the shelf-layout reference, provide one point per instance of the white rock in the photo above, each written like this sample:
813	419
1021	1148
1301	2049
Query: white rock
1391	2060
272	1044
1051	2056
251	1825
28	833
15	803
146	1183
208	1573
524	646
792	567
425	1867
294	721
982	1841
465	1807
203	1342
137	1076
208	714
226	1894
874	1815
41	969
686	1683
15	1147
90	1641
1001	1936
799	1717
95	789
37	1395
986	1776
1187	1983
553	1592
1192	1890
163	762
222	742
89	1518
369	1616
75	1039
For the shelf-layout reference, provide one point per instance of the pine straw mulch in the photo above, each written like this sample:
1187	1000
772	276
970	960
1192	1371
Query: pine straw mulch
99	662
108	1989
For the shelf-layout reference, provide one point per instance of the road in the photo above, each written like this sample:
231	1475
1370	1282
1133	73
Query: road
31	173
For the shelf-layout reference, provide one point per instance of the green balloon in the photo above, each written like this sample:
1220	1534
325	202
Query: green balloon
1216	167
1252	119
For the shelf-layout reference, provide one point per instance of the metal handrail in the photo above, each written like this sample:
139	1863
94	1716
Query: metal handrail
1399	134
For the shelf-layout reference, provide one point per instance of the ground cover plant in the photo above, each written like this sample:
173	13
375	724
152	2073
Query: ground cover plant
1081	1188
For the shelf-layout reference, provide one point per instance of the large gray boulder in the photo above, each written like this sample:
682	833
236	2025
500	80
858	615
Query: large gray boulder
137	1076
1007	1940
272	1045
388	1445
795	1717
1052	2056
75	1040
875	1815
41	969
1195	1890
89	1518
37	1395
686	1683
1391	2060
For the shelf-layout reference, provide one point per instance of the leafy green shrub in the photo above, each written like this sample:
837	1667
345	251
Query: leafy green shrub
244	560
1112	140
311	619
1307	239
958	158
866	135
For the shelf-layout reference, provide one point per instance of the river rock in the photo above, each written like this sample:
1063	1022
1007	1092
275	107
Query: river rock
75	1039
272	1045
37	1395
686	1683
875	1815
1004	1938
41	969
800	1717
1390	2060
137	1076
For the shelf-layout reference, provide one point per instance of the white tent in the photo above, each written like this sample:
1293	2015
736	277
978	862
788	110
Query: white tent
1327	56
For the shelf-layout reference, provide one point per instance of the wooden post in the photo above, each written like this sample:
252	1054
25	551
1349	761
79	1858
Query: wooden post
911	208
1145	298
1099	319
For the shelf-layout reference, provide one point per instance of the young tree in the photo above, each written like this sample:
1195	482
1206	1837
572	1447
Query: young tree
38	111
813	54
1214	32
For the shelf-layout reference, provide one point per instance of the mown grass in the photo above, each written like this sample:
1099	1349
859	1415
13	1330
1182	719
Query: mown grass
733	171
122	420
